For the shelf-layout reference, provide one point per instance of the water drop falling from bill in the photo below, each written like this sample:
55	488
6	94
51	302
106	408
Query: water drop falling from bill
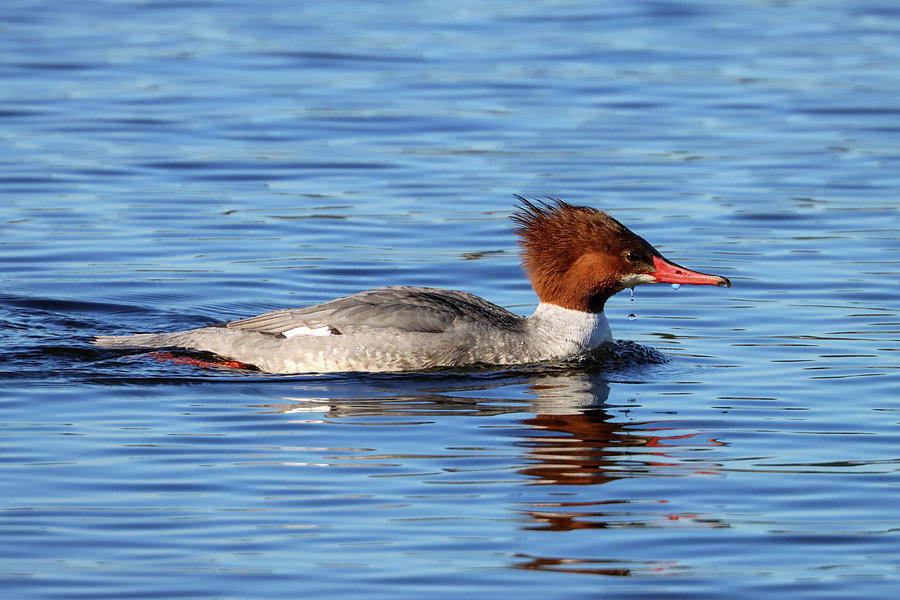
675	286
632	317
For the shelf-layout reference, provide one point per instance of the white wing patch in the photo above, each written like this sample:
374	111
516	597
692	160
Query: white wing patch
304	330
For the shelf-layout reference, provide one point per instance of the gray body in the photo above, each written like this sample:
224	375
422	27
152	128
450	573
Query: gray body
396	328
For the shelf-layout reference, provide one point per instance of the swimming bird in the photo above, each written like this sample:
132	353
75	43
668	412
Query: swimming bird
575	257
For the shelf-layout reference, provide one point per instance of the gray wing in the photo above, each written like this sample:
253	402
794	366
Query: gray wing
404	308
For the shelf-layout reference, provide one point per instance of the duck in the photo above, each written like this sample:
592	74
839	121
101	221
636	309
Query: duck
575	257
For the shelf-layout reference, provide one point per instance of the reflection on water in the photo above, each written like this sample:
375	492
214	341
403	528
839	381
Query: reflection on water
568	436
561	432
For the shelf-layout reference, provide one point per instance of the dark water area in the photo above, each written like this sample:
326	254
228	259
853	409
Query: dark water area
171	165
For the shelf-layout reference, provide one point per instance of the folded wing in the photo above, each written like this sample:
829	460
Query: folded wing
399	308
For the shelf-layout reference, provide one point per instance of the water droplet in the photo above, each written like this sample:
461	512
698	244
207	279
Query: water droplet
631	291
632	317
675	286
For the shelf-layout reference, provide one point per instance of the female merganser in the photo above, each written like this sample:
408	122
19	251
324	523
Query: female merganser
575	256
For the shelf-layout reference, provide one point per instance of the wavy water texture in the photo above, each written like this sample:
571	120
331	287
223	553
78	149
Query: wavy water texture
169	165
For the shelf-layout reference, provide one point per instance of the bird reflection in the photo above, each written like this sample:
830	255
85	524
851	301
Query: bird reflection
573	436
589	445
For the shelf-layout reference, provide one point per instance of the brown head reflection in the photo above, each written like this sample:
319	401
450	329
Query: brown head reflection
589	445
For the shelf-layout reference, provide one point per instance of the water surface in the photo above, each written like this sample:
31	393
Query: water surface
168	165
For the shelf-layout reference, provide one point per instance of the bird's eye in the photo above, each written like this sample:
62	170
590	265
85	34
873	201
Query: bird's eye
632	256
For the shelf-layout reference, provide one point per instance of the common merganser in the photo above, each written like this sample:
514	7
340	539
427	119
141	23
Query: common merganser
576	257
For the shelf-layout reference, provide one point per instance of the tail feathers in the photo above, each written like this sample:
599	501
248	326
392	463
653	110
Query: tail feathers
139	340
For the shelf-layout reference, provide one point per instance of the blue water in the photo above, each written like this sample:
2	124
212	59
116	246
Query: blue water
165	165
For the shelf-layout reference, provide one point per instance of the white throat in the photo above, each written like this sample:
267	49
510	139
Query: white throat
565	332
